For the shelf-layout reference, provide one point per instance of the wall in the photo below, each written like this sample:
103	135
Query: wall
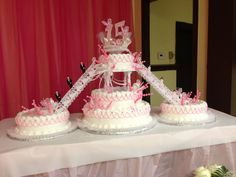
163	16
169	81
202	47
202	40
233	89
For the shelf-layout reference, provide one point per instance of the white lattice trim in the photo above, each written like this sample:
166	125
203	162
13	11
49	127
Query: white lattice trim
139	109
115	96
196	108
28	118
45	130
194	113
129	117
119	62
124	58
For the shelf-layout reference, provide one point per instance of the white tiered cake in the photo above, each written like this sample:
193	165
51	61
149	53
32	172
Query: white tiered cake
41	122
30	123
120	109
189	111
196	113
117	108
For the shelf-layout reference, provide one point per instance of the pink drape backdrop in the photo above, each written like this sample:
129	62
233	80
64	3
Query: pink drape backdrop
43	41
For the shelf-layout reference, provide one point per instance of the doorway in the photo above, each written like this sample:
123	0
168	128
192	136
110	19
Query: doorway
184	57
169	66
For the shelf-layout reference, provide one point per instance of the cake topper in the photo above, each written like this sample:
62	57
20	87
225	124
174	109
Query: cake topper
69	81
82	67
45	107
120	42
58	96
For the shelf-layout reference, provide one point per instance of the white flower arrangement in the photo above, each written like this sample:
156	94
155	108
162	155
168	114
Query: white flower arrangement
213	171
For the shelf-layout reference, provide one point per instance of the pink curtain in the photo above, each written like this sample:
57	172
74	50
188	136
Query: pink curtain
43	41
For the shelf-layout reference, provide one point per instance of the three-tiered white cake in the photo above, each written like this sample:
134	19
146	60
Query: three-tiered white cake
118	105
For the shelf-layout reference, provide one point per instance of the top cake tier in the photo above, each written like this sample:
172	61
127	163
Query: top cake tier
118	62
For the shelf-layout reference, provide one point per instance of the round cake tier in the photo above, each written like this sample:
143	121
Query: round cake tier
194	113
30	124
128	117
119	98
139	109
119	62
44	130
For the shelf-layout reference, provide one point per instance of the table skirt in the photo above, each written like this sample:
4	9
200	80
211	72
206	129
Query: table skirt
171	164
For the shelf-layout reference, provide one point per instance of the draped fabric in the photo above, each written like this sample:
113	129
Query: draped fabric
171	164
43	41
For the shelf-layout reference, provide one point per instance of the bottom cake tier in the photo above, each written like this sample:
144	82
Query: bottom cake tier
190	114
31	126
121	120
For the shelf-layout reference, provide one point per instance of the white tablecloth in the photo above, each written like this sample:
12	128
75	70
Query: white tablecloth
19	158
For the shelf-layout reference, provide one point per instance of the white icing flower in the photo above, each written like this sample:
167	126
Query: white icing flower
213	170
202	172
199	169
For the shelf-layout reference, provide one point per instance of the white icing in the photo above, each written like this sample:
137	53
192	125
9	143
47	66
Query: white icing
184	118
119	98
119	123
43	130
121	62
29	123
139	109
122	114
184	114
115	91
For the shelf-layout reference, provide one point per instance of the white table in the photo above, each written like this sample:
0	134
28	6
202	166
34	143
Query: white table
19	158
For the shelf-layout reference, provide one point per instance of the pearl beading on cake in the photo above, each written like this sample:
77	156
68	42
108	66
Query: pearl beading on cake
118	62
38	121
131	112
186	109
122	58
115	96
188	114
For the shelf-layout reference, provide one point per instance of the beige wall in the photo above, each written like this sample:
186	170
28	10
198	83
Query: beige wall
202	43
169	78
163	17
202	47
